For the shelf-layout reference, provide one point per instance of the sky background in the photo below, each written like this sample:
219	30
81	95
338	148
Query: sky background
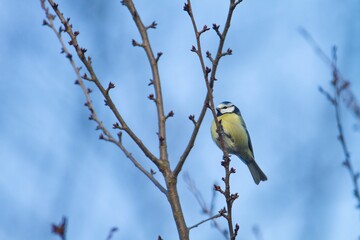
52	163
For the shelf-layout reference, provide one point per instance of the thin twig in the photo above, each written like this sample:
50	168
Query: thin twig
207	210
111	233
156	77
60	229
347	162
335	101
138	165
204	221
348	96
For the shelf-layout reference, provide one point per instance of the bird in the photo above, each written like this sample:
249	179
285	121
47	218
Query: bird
236	137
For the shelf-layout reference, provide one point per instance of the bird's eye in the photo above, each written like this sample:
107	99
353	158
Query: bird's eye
225	107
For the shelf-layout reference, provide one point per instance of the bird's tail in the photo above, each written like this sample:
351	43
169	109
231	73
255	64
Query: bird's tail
257	174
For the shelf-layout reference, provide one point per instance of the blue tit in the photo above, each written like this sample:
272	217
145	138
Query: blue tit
236	137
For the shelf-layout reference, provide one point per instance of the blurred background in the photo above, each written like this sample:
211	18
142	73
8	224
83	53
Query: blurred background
52	163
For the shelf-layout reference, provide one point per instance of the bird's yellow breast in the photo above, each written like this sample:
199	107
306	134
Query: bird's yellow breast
235	135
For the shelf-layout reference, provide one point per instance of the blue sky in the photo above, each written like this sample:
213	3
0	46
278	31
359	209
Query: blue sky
52	163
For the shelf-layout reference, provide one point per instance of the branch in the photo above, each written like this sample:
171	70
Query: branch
347	163
111	233
88	64
106	135
209	82
150	175
60	229
207	210
156	77
204	221
348	96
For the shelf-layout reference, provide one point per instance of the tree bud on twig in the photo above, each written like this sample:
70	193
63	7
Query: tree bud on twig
151	97
60	229
170	114
205	28
116	125
192	118
55	6
159	54
236	230
45	23
187	8
216	28
152	25
110	86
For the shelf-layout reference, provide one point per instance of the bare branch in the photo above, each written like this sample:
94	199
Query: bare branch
60	229
348	97
88	64
207	210
150	175
338	87
156	77
209	82
204	221
111	233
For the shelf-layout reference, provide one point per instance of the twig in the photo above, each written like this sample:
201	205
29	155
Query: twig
111	233
150	175
348	97
60	229
209	211
257	232
204	221
341	90
334	100
156	76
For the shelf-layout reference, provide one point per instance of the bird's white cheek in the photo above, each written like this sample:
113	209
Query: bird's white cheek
228	110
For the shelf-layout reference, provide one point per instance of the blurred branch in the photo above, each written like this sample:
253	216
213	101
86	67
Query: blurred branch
341	90
338	88
207	210
60	229
347	96
257	232
111	233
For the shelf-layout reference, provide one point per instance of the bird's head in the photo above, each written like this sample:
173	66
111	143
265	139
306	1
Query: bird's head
226	107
